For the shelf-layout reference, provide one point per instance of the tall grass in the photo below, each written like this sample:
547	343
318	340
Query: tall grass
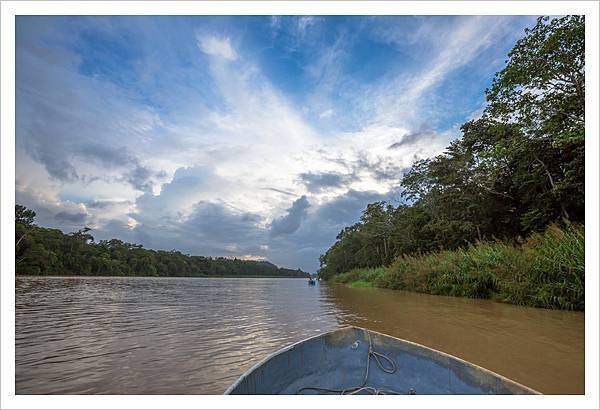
360	277
545	271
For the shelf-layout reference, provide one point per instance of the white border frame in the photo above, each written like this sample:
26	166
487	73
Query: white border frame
8	11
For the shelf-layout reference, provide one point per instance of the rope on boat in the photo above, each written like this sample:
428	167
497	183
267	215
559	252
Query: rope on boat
362	387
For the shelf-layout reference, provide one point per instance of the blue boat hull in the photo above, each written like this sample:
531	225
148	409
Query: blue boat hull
336	363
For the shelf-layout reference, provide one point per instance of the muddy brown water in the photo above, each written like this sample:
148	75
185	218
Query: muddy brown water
197	335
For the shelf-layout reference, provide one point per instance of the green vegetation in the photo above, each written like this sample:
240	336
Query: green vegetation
547	271
514	172
361	284
43	251
361	278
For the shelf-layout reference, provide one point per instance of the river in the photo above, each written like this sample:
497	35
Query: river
78	335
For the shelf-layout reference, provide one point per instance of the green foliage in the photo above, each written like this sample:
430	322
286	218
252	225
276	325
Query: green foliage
556	272
546	271
361	284
542	92
515	171
361	277
43	251
23	215
542	87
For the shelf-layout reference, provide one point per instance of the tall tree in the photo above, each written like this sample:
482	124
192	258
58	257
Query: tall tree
542	91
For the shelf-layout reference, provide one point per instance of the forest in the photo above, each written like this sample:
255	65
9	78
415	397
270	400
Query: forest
44	251
515	178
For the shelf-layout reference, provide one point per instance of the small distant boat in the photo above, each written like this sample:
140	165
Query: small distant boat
359	361
311	281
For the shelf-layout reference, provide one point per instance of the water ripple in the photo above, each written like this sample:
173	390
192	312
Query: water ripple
197	335
155	336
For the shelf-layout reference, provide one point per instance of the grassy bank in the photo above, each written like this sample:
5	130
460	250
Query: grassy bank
547	270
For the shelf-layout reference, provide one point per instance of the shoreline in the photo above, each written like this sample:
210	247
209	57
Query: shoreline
351	285
160	277
364	284
546	271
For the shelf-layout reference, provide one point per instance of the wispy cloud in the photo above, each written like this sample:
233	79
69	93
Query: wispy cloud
402	99
214	46
326	114
303	23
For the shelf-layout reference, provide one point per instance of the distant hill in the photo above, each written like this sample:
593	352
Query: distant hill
45	251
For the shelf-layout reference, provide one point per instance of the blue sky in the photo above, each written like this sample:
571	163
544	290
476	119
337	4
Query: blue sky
256	137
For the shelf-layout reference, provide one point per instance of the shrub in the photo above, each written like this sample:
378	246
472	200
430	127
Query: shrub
548	270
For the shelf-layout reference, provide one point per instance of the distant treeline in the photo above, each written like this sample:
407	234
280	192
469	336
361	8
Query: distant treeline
44	251
516	170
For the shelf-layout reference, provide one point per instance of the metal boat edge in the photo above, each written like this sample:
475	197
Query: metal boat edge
347	328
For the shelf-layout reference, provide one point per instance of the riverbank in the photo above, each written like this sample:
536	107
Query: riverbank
547	270
26	275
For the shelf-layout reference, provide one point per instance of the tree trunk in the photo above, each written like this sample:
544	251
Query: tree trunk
384	249
20	239
564	212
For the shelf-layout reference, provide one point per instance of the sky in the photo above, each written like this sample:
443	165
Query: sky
256	137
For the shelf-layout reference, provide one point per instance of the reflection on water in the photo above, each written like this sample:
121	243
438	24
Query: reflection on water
197	335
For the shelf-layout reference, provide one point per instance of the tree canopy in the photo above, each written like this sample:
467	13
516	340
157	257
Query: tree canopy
515	170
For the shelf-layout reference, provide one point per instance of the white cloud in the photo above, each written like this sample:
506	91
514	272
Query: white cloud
404	98
326	114
215	46
131	223
275	21
251	258
304	23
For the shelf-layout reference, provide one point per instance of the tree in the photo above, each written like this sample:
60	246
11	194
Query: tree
23	221
542	91
23	215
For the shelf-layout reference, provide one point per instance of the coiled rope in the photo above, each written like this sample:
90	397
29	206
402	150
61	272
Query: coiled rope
362	387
